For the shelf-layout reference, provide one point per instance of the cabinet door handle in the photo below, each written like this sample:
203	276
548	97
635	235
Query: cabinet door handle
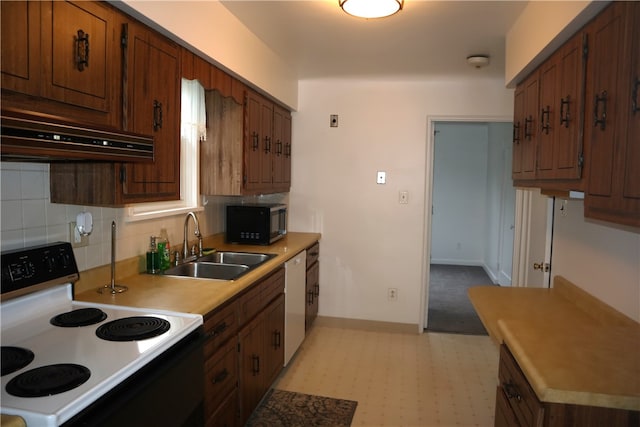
544	124
157	115
511	391
564	115
516	133
220	328
82	50
310	298
255	365
277	339
279	148
267	144
527	133
317	289
598	117
287	149
634	96
221	376
255	138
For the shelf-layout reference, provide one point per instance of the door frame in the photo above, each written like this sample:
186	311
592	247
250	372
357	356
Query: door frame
428	199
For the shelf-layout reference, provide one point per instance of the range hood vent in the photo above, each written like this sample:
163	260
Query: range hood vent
28	136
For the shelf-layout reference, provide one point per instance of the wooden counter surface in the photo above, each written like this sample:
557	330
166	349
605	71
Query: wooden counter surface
184	294
572	348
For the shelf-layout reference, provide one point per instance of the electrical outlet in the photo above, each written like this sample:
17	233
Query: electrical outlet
403	197
77	241
392	294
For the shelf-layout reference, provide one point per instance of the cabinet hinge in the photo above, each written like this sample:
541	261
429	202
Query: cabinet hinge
580	160
123	174
124	38
585	47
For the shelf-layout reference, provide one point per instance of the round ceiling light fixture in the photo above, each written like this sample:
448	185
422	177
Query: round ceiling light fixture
478	61
370	9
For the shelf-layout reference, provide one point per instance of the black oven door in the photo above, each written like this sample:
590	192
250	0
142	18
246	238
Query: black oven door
169	391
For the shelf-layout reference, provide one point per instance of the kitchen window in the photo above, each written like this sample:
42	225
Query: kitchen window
192	131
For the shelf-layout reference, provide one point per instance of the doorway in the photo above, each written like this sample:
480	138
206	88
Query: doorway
470	218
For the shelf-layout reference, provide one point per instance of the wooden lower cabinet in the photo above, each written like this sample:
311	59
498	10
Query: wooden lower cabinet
312	285
261	355
244	351
517	404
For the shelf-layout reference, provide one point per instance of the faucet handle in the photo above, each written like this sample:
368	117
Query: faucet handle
200	249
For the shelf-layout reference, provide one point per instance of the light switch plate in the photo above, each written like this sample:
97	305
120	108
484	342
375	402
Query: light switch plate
381	177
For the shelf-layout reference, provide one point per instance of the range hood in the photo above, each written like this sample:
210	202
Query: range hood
28	136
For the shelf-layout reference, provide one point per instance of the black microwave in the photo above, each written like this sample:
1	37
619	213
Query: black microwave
256	224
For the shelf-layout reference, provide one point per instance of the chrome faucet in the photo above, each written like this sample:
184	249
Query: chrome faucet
186	254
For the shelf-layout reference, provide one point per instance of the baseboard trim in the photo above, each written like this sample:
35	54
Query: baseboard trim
366	325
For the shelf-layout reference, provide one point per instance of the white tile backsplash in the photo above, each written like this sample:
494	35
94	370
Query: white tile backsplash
29	218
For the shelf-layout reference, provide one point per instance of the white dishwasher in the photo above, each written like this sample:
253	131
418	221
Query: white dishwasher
294	294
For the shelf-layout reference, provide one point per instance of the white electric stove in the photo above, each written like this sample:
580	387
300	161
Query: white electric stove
61	357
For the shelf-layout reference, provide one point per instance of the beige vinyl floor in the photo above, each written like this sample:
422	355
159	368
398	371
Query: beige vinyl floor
399	379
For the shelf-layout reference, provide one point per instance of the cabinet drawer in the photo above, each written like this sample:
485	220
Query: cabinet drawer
250	303
517	392
260	295
221	376
504	415
227	413
220	326
273	287
313	274
313	253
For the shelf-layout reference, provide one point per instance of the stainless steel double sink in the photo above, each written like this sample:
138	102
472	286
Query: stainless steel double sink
221	265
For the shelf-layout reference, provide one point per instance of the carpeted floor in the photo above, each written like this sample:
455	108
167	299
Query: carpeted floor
281	408
450	309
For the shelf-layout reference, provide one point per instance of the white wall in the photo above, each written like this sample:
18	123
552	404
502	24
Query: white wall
370	242
601	258
460	194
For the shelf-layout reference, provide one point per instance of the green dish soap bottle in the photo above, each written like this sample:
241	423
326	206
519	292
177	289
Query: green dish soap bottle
164	250
153	258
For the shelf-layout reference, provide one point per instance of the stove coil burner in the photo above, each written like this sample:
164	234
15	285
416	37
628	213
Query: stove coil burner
14	359
48	380
133	328
79	317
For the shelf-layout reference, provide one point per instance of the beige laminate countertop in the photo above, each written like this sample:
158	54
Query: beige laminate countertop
571	347
184	294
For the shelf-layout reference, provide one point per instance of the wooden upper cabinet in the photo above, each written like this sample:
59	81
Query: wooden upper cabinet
248	147
153	83
151	107
78	45
252	142
530	131
518	133
20	53
281	149
559	154
613	188
222	152
62	51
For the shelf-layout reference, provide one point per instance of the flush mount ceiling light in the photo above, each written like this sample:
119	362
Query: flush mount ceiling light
478	61
371	8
